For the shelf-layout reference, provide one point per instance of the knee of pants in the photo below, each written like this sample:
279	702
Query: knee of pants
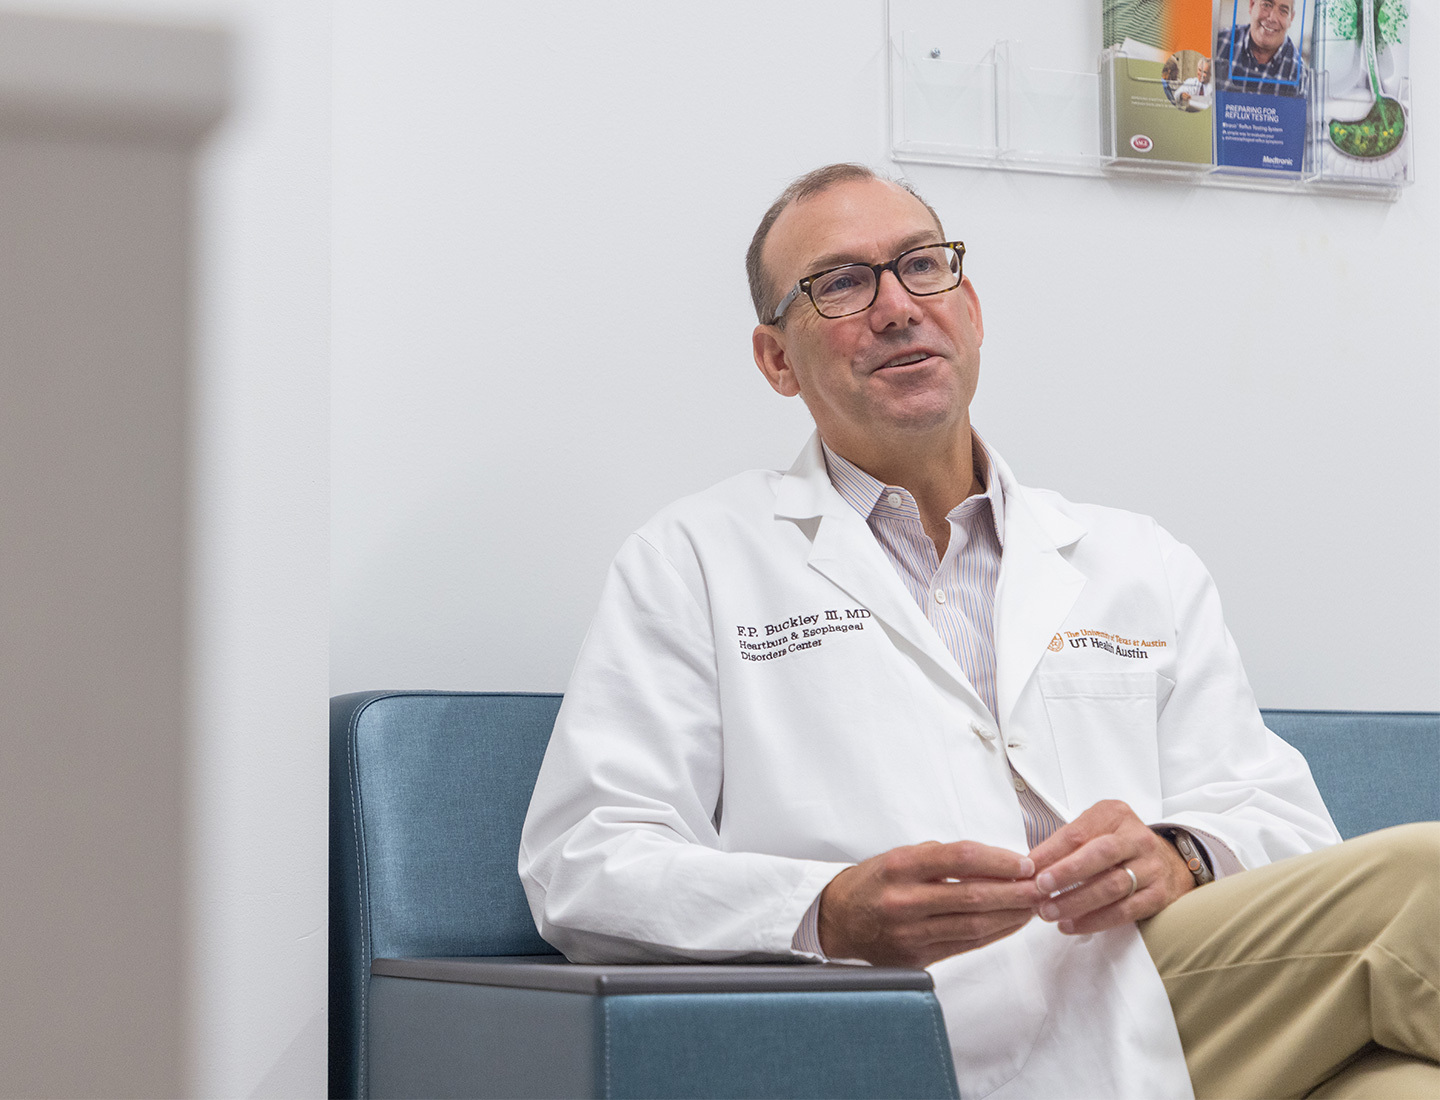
1405	856
1414	847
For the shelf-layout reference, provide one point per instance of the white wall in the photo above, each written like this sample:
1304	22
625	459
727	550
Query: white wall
256	921
1275	403
260	788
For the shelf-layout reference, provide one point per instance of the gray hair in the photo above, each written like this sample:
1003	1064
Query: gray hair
811	183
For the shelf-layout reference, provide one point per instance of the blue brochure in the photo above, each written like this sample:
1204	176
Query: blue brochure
1261	80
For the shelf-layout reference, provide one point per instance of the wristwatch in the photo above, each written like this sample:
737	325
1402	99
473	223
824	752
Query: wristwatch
1191	853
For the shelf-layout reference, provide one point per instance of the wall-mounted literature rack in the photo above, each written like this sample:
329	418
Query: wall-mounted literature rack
964	91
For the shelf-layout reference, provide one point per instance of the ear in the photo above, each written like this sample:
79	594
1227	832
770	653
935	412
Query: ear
972	305
768	343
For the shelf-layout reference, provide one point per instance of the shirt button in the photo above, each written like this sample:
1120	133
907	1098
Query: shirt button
1019	783
893	500
939	595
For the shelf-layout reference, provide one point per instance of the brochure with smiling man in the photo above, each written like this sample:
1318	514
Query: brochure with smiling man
1262	84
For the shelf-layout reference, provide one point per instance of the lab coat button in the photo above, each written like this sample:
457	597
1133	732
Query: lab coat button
982	732
1019	783
893	500
939	595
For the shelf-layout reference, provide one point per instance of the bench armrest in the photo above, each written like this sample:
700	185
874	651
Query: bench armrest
541	1026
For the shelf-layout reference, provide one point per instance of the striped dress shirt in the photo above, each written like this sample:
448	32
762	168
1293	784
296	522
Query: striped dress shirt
956	593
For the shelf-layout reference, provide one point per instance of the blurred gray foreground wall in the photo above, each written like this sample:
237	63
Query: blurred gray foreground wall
99	125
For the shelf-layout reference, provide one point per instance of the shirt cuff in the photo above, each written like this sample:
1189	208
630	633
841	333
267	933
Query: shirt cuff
806	940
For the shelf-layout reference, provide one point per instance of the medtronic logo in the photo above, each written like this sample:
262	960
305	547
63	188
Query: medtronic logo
1141	144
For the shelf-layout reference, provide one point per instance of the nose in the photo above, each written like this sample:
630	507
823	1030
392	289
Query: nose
893	305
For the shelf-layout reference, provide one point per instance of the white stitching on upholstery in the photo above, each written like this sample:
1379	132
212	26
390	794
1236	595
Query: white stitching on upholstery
605	1033
941	1039
364	989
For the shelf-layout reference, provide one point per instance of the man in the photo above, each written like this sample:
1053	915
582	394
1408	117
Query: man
892	706
1260	57
1194	93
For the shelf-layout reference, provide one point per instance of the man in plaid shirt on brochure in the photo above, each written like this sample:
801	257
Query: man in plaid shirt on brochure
1260	57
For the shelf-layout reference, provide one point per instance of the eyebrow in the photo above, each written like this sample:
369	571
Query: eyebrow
836	259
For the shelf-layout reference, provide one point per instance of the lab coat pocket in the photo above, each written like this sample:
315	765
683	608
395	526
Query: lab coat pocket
1103	724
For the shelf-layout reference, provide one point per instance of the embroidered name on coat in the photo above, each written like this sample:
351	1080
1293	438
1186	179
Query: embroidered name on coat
771	641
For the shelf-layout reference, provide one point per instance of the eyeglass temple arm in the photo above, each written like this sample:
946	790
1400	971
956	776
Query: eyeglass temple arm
785	304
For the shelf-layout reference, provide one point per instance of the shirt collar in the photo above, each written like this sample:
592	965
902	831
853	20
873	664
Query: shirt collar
864	493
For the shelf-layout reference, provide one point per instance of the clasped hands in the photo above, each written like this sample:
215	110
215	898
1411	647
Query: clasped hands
914	905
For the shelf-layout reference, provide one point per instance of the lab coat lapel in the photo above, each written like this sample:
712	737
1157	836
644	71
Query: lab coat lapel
1036	590
844	551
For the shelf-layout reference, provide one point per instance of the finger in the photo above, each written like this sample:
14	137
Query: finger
1142	904
971	859
1103	890
1074	835
1060	843
972	927
933	862
975	896
917	901
1090	860
1102	818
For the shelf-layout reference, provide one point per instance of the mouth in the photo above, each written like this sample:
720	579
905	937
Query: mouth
909	359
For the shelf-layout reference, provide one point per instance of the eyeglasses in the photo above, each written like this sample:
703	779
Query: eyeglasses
853	288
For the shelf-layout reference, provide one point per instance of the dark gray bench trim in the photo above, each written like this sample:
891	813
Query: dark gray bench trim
554	973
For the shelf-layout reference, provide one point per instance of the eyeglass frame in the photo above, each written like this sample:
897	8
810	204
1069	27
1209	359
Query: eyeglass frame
803	286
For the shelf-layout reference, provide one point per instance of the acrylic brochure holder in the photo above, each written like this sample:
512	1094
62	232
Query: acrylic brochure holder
965	90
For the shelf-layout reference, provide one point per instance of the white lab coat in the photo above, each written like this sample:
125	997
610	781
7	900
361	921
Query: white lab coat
704	783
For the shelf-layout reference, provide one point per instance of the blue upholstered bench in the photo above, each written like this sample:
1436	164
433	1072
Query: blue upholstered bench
440	985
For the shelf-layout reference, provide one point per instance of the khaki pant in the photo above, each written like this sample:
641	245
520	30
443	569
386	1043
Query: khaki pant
1315	976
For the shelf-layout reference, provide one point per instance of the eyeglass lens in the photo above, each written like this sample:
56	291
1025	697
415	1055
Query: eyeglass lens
851	288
